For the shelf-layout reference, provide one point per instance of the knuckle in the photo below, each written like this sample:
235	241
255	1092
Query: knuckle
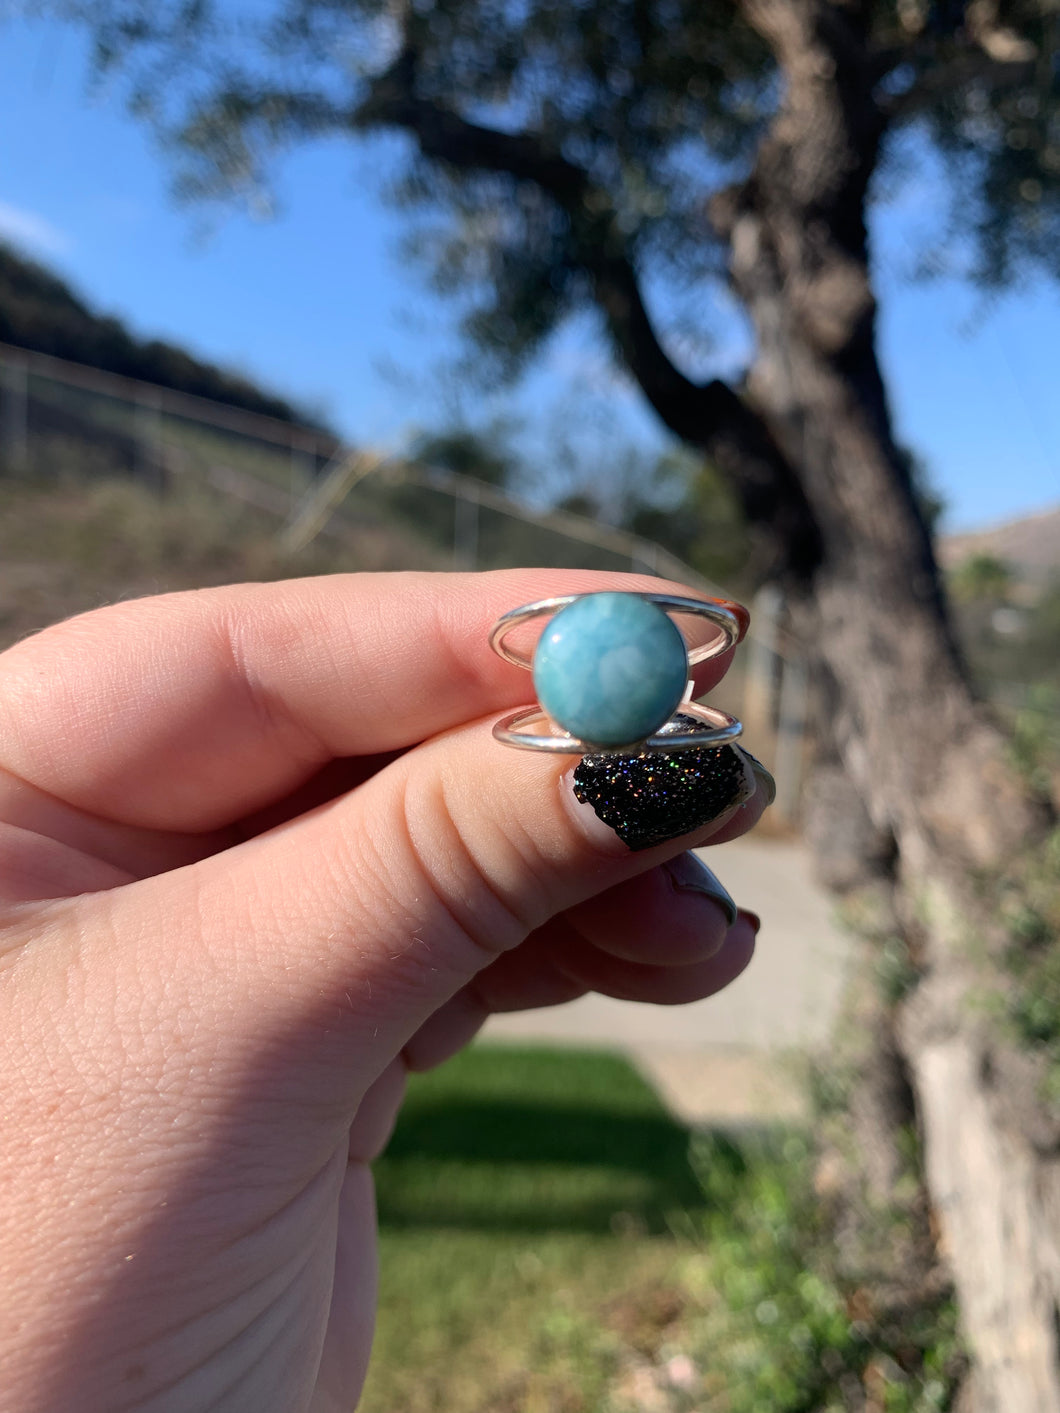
462	876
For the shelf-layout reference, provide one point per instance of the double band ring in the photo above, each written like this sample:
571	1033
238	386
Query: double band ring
611	671
723	618
532	729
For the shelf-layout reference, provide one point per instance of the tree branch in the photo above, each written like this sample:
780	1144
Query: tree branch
710	416
392	101
941	79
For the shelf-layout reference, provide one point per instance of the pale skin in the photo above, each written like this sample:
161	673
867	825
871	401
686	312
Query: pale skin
259	858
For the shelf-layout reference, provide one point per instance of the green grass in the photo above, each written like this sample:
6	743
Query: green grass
526	1203
553	1242
536	1141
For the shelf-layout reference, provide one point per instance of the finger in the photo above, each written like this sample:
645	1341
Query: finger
741	821
377	1113
32	868
49	849
558	964
674	915
189	711
347	928
335	778
449	1029
347	1342
588	966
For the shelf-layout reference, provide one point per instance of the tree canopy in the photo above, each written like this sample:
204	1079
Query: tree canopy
572	146
603	156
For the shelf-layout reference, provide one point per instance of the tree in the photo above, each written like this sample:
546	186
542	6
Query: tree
581	155
982	578
484	453
674	498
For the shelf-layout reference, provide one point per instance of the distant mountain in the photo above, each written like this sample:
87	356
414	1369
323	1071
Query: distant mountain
39	311
1031	545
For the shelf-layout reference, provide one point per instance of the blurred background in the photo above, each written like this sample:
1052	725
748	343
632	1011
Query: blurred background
763	298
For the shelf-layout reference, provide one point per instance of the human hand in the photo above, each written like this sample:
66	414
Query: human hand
259	857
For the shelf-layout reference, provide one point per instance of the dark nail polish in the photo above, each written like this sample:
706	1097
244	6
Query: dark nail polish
689	874
651	797
763	776
753	919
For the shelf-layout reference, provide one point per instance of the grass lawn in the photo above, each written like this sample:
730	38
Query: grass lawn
530	1208
553	1242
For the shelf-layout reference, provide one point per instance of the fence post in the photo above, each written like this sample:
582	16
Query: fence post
791	735
15	420
303	463
310	516
644	556
149	462
760	670
465	528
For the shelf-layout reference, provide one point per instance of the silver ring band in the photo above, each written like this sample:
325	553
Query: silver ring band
513	730
724	620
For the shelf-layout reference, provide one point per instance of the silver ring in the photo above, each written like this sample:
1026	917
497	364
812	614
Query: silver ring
723	619
513	730
532	729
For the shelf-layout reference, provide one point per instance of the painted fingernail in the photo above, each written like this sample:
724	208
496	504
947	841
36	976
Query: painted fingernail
752	918
742	615
689	874
650	798
763	778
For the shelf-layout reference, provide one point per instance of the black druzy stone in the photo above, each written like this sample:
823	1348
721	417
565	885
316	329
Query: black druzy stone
651	797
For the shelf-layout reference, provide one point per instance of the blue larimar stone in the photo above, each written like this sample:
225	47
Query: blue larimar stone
610	668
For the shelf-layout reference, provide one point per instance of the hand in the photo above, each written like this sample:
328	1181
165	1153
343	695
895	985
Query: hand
259	857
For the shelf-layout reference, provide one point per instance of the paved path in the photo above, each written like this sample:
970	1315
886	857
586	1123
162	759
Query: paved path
728	1059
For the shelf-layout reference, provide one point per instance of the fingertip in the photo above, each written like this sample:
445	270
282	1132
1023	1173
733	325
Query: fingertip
661	985
752	919
454	1025
676	915
742	615
736	954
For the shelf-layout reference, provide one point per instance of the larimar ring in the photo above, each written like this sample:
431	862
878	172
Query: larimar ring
611	670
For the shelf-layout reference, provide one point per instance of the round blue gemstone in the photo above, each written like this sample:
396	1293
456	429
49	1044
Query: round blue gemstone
610	668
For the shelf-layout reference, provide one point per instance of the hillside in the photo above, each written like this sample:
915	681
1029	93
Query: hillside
1031	545
39	311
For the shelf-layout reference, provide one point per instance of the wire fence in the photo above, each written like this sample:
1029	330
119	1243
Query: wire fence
314	486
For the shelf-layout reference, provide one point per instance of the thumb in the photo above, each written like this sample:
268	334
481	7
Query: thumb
331	940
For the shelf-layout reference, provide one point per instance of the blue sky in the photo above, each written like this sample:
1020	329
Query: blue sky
317	304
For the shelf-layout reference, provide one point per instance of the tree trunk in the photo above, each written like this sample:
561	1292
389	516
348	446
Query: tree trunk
924	756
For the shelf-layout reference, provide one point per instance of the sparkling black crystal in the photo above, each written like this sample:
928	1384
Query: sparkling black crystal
651	797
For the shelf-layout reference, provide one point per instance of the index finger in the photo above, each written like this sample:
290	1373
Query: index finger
189	711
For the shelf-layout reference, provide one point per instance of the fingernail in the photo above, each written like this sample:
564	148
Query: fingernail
752	918
743	617
763	777
689	874
650	798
